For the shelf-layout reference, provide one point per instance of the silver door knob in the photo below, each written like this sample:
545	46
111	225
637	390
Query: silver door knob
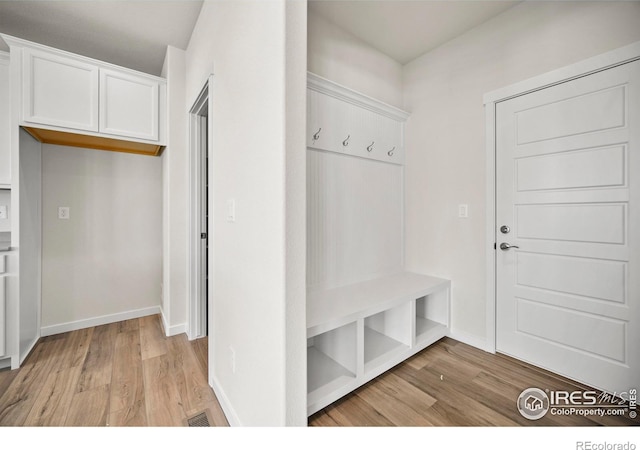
505	246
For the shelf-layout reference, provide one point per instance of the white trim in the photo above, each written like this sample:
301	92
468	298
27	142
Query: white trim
28	349
13	41
100	320
583	68
4	58
225	404
195	318
171	330
328	87
470	339
490	236
5	363
580	69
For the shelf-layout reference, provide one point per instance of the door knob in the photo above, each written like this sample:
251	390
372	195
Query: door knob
505	246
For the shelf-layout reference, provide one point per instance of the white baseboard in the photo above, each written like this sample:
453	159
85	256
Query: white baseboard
24	354
4	363
469	339
95	321
228	410
172	330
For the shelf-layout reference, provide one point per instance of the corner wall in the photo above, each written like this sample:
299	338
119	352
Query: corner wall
257	316
175	199
337	55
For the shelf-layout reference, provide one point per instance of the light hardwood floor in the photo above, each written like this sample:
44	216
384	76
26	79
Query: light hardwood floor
453	384
121	374
129	374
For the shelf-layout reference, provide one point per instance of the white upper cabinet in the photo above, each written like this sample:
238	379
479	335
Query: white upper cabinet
73	95
344	121
59	91
129	105
5	121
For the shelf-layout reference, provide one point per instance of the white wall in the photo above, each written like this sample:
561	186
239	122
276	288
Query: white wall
5	200
445	134
105	261
30	243
337	55
175	198
257	297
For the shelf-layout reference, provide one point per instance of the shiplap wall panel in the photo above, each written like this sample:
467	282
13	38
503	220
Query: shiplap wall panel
354	219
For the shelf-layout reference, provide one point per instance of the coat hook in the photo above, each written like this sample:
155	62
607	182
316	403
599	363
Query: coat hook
370	147
390	152
317	135
346	141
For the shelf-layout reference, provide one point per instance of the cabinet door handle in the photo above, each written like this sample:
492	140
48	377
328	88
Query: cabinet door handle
370	147
390	152
346	141
317	135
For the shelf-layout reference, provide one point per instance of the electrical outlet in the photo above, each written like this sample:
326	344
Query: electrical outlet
463	211
3	212
231	210
232	359
64	212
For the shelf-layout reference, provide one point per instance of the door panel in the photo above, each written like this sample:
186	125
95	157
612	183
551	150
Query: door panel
568	186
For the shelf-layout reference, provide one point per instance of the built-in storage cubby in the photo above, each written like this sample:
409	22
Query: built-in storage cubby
331	362
357	332
432	315
386	335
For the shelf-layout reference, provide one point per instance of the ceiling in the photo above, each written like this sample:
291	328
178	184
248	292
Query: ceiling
104	29
403	29
108	29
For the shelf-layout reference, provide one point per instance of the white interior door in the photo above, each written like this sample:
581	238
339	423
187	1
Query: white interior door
568	189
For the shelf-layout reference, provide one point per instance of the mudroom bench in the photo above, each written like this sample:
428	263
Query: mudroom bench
358	331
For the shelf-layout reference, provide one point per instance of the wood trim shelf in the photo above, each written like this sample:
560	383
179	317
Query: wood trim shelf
93	142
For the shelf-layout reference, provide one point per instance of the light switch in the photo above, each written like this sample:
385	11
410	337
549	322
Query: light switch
231	210
3	212
63	212
463	211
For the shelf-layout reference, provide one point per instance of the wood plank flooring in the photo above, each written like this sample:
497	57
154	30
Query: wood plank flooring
121	374
129	374
453	384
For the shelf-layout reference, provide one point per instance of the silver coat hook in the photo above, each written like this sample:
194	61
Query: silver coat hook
346	141
370	147
317	135
390	152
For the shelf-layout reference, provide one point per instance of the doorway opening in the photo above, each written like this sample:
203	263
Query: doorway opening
199	280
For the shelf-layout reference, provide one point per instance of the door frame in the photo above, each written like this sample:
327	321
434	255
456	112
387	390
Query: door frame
197	305
580	69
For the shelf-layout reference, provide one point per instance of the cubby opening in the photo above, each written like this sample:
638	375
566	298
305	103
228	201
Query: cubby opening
432	316
385	334
331	361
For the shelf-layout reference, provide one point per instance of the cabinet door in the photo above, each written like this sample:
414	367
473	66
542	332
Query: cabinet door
59	91
128	105
5	122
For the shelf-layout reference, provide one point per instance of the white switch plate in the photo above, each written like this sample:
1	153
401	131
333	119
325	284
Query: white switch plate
463	211
231	210
63	212
3	212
